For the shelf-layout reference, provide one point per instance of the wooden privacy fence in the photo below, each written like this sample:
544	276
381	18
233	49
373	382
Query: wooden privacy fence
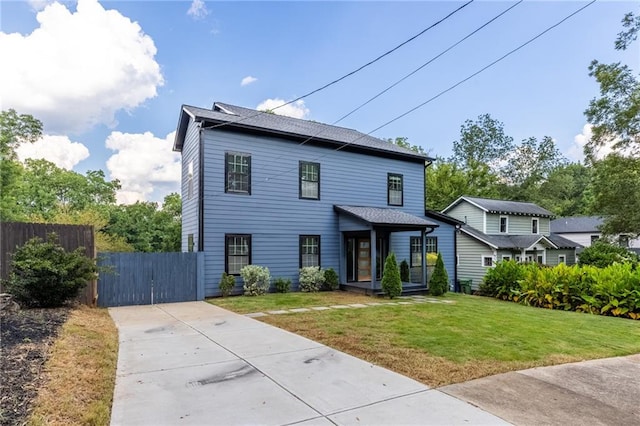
149	278
16	234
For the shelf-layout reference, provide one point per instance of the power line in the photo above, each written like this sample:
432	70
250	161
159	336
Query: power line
450	88
352	72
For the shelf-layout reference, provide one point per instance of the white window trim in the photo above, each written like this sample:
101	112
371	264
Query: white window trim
506	257
537	226
483	257
563	257
506	231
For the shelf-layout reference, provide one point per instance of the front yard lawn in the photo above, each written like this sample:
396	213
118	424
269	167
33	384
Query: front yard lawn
438	343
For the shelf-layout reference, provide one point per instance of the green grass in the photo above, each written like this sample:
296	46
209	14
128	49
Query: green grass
446	343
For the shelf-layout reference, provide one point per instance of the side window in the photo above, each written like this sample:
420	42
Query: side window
238	173
487	261
504	224
309	180
394	189
190	181
309	250
416	251
237	253
562	258
534	226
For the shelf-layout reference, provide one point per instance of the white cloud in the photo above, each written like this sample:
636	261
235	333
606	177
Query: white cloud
146	166
295	110
248	80
60	150
576	151
38	5
198	9
78	69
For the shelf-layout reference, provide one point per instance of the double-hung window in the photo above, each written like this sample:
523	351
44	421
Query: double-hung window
432	244
416	251
534	225
309	250
237	253
309	180
504	224
394	189
238	173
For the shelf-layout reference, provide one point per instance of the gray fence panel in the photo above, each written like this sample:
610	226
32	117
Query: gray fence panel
147	278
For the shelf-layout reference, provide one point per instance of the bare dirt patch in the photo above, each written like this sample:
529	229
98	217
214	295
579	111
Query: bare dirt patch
26	337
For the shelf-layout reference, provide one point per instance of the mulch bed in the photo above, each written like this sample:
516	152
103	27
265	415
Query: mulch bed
26	337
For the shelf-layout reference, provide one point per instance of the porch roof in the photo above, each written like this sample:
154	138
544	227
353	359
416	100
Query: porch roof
386	217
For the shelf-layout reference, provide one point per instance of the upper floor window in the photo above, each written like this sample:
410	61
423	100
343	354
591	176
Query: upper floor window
238	172
504	224
310	180
534	226
309	250
416	251
237	253
394	189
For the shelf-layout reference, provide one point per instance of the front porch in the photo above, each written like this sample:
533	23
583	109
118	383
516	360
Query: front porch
375	288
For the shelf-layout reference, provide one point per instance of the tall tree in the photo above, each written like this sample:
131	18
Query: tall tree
615	115
482	142
532	161
15	129
404	143
567	191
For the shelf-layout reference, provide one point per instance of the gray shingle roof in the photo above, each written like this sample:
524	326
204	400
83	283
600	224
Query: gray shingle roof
250	119
517	241
385	217
509	207
576	224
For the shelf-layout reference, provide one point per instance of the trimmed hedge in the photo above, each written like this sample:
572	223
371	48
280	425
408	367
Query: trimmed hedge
613	290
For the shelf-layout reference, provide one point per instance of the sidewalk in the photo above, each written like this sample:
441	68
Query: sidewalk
194	363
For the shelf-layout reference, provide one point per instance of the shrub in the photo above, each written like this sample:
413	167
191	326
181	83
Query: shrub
256	279
602	254
432	258
391	283
331	281
45	275
501	280
282	285
439	280
405	274
311	278
227	283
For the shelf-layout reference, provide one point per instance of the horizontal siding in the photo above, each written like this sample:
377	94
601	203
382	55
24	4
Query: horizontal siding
348	223
584	239
190	155
468	213
470	253
275	216
552	257
517	225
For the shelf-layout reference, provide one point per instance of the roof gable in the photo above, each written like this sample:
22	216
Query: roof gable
502	207
240	119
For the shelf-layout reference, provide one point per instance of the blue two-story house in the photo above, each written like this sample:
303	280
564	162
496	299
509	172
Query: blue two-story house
264	189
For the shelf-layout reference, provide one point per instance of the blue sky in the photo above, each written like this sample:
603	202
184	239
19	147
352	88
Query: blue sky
111	76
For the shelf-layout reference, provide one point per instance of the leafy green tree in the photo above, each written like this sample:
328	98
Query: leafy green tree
567	190
404	143
616	192
439	282
603	254
43	274
482	142
15	129
531	162
615	115
446	181
391	283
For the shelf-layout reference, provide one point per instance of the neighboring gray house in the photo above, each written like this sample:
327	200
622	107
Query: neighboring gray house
496	230
281	192
585	230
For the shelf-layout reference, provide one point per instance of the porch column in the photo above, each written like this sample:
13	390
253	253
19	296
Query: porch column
342	264
423	261
372	253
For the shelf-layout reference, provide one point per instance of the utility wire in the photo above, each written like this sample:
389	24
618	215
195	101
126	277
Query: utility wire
448	89
408	75
350	73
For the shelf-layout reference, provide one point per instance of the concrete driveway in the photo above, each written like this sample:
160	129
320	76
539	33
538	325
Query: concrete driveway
194	363
598	392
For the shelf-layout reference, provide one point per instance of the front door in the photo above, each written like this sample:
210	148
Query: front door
364	259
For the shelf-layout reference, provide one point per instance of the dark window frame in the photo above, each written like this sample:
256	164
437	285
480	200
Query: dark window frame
300	241
535	230
412	244
506	225
301	164
395	175
227	187
226	250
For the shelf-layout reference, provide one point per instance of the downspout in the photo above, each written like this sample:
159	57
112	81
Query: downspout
201	190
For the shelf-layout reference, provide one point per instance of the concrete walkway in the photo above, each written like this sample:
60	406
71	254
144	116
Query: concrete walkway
194	363
597	392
